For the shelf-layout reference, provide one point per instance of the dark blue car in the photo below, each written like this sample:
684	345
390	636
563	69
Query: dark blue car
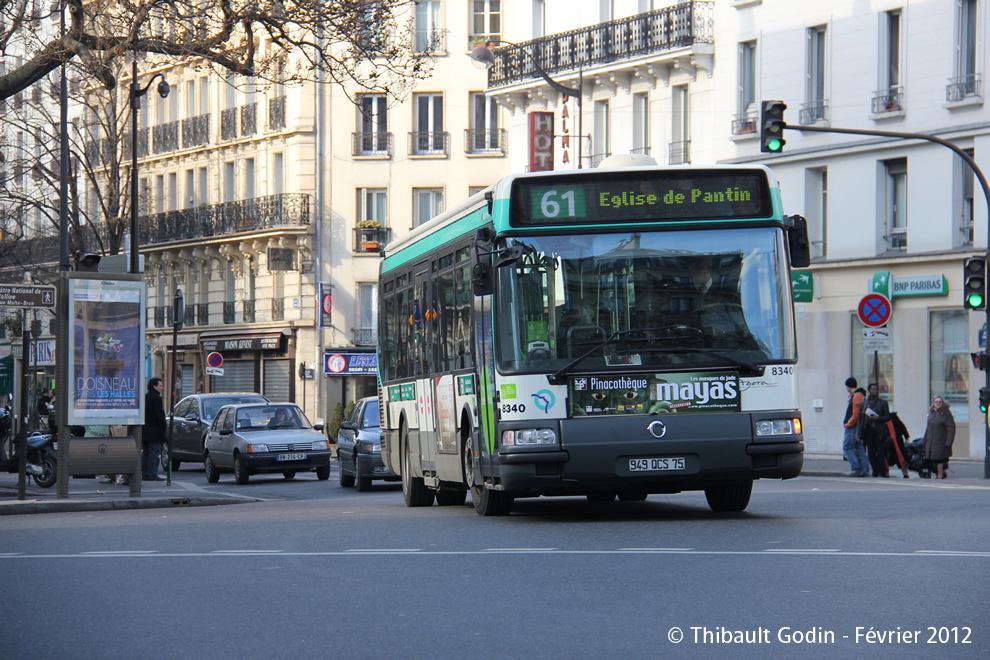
359	447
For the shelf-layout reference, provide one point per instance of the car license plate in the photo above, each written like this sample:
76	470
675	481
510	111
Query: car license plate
291	457
655	464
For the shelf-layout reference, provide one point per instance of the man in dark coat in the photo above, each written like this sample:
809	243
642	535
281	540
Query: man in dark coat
873	430
153	433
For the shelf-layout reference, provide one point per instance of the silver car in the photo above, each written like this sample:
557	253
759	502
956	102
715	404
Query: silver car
248	439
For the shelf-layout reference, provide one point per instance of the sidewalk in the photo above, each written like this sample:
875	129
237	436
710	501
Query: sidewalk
91	495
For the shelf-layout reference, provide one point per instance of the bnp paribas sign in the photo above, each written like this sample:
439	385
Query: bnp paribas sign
910	285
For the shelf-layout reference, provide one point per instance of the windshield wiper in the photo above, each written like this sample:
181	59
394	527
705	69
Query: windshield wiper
745	368
557	377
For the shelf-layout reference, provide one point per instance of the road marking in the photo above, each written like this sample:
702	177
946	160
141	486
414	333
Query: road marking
119	552
655	549
803	550
247	552
510	550
386	550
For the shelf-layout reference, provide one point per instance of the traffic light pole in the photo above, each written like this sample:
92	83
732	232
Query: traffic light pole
986	196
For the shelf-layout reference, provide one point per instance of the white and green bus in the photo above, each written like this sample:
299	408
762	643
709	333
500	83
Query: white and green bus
613	332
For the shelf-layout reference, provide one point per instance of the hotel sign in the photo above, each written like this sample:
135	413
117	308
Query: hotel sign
540	141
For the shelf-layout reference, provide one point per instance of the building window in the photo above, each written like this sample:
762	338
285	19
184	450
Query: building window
160	193
601	140
896	203
966	80
371	38
278	174
429	137
486	22
816	207
474	190
367	314
372	138
428	27
890	94
641	123
815	107
204	186
966	182
373	205
864	363
229	185
427	204
949	361
746	112
484	135
680	133
190	193
249	178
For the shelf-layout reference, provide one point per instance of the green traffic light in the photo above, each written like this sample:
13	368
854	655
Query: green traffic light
773	145
975	300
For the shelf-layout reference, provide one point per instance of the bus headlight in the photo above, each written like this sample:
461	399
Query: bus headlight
528	437
766	427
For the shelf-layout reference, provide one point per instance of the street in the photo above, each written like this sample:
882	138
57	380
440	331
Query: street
817	567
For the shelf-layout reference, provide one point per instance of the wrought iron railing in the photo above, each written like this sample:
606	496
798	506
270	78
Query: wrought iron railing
485	140
365	336
199	314
249	308
203	314
249	119
165	137
284	210
962	87
278	309
670	28
745	123
229	313
679	152
812	112
195	131
888	100
370	239
189	315
228	124
142	144
371	144
429	143
276	113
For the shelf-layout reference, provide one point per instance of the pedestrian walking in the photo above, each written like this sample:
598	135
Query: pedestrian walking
873	430
153	433
852	445
940	433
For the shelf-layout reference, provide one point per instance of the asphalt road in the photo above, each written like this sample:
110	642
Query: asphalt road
325	572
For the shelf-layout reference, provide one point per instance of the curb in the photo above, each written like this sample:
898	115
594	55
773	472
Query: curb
172	502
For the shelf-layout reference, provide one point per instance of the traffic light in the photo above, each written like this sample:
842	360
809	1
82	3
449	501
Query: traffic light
984	399
772	127
980	360
975	283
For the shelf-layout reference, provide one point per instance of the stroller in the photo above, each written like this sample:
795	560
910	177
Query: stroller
916	458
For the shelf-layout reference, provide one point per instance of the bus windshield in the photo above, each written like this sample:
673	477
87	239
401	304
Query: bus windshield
645	299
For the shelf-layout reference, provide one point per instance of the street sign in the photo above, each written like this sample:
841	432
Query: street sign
26	295
874	310
803	285
214	371
877	339
214	360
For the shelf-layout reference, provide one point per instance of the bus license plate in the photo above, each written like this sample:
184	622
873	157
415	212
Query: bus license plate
655	464
291	457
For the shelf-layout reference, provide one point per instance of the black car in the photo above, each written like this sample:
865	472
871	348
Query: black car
249	439
359	446
193	416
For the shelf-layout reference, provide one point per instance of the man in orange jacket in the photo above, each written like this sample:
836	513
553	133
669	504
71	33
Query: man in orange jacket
852	446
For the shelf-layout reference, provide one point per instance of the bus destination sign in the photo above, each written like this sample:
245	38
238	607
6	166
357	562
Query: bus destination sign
648	196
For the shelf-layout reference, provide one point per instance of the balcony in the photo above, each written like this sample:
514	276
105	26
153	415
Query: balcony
365	336
682	36
813	112
202	314
195	131
370	240
249	119
165	137
679	153
375	145
229	312
142	146
888	100
228	124
285	210
248	311
961	88
276	113
278	309
427	143
745	124
487	141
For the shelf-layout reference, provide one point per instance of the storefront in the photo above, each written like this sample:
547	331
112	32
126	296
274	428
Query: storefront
253	361
351	375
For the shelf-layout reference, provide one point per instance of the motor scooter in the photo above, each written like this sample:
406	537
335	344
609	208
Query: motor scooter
43	452
12	462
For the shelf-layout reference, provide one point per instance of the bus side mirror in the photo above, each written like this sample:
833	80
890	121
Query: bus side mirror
508	256
798	243
482	283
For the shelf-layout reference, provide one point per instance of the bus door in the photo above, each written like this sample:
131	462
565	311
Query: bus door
424	319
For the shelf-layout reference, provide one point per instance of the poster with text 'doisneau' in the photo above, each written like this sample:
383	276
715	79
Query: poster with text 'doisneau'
106	343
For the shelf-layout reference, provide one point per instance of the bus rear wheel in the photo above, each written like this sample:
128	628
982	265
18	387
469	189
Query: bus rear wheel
731	497
486	502
414	491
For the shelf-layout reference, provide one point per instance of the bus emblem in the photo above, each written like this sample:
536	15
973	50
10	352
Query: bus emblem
544	400
657	428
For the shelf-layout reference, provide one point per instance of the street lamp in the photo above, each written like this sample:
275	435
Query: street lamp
136	93
485	58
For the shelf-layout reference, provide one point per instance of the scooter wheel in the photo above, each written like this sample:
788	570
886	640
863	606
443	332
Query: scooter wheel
49	476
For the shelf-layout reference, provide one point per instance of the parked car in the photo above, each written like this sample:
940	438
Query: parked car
193	416
359	447
275	437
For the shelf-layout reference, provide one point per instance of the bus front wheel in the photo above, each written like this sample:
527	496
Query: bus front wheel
731	497
486	502
414	491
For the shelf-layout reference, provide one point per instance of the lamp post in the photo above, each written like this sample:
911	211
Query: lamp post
136	93
485	58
